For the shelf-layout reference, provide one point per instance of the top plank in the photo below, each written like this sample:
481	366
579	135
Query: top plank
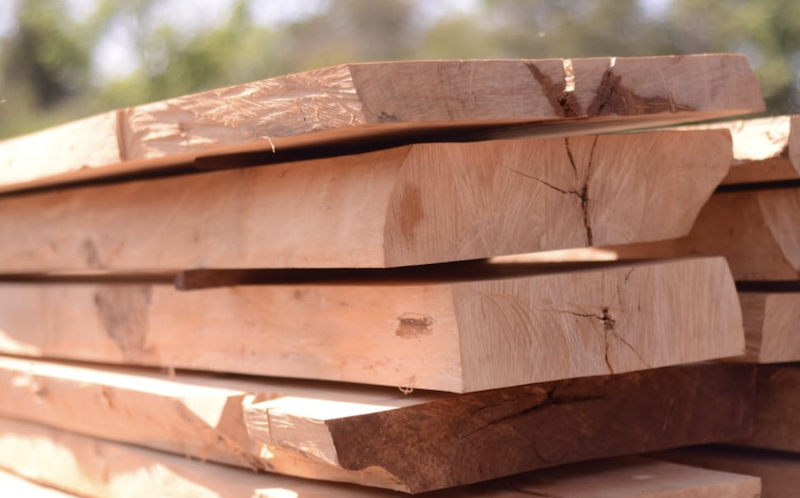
362	104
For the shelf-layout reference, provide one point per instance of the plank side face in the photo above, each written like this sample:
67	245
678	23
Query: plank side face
448	337
193	416
391	335
770	326
196	422
779	472
573	192
360	101
608	321
775	424
473	437
412	205
100	469
753	313
756	231
631	477
781	208
83	144
449	91
272	216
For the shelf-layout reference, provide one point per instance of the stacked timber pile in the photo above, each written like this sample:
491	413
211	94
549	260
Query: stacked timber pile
753	221
318	278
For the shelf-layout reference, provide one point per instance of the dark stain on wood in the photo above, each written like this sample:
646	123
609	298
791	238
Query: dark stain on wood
412	325
385	117
411	213
123	311
563	103
613	98
91	255
462	439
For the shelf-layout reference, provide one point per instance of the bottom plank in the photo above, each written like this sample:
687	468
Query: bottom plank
779	472
776	425
378	437
99	469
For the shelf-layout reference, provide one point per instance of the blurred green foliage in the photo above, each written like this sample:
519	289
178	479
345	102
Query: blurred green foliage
50	60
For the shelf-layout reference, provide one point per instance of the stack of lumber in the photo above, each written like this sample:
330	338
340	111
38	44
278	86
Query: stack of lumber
386	277
752	221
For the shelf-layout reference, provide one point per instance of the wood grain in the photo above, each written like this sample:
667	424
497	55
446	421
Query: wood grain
635	477
775	424
99	469
770	326
420	204
461	337
363	103
764	150
451	442
420	442
758	232
779	472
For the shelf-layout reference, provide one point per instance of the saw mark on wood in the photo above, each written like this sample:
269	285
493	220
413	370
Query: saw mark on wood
412	325
123	311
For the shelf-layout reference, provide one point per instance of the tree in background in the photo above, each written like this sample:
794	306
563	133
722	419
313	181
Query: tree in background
49	62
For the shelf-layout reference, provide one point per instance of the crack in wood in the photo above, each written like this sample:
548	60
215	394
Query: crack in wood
571	157
546	184
584	195
564	103
553	395
608	328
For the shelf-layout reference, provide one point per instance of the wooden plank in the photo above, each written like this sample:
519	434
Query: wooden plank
775	423
779	472
513	430
460	337
758	232
631	477
16	486
770	326
196	416
420	204
764	150
421	442
99	469
361	103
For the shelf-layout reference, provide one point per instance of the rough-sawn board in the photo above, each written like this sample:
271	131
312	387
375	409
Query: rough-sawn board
363	103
